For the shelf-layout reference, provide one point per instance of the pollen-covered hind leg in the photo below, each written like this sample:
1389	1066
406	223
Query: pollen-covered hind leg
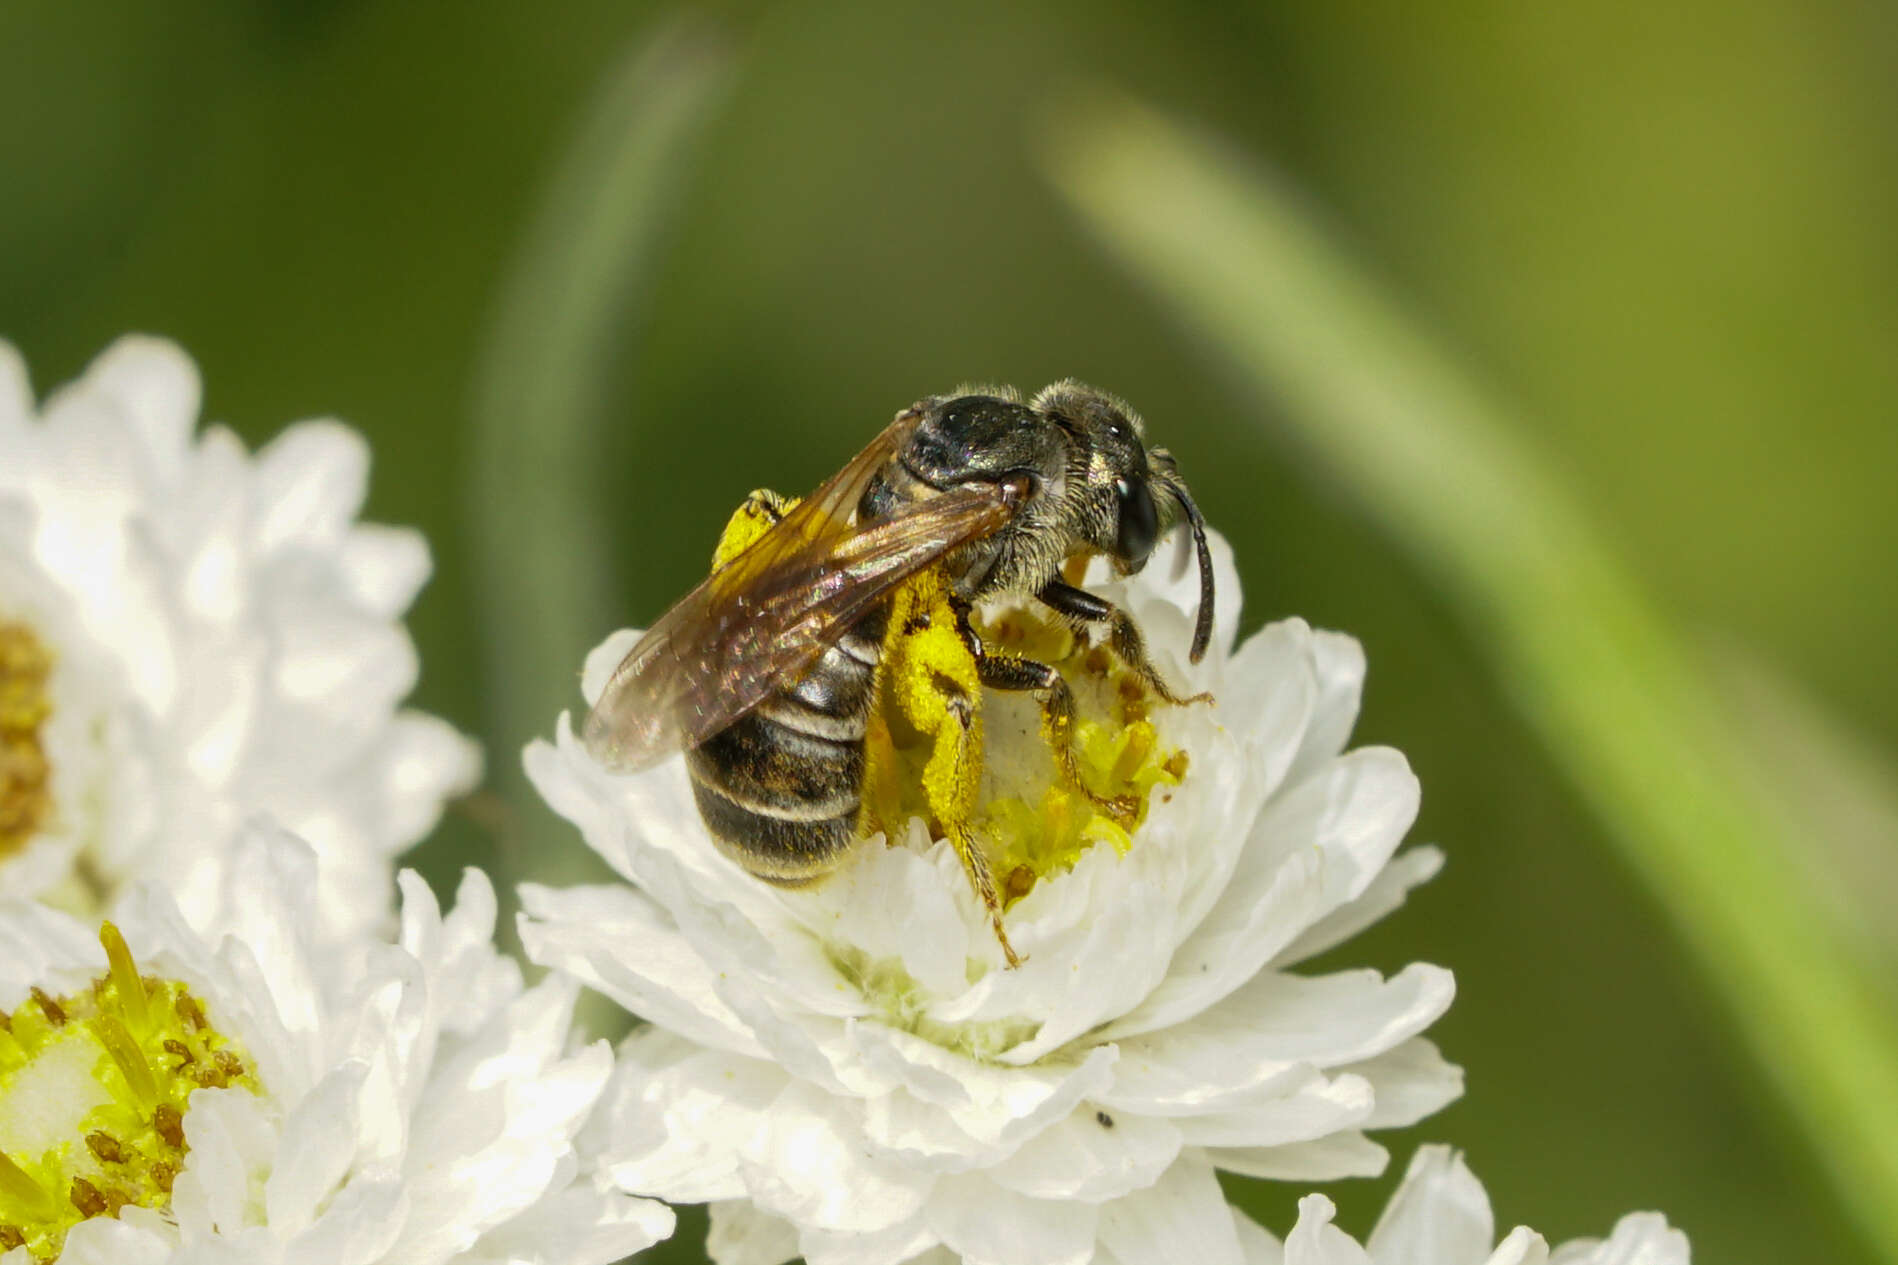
930	671
1057	723
951	781
756	515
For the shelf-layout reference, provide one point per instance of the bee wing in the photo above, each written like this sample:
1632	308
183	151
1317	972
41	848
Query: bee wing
767	615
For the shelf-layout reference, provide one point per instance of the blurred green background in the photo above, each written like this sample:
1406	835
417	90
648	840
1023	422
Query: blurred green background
1664	235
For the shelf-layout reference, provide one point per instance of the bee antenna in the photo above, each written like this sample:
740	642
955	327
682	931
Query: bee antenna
1203	620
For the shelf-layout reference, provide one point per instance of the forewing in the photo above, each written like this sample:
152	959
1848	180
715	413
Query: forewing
766	617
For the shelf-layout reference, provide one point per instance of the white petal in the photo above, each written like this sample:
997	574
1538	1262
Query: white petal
902	909
922	1135
311	483
105	1241
997	1104
1229	948
1640	1238
155	387
615	940
1521	1246
1270	698
603	658
813	1048
266	895
318	1145
675	1119
1357	809
1091	1155
36	942
742	1235
1345	823
1320	1107
16	396
987	1225
1258	1246
806	1163
1079	973
1182	1217
421	763
508	1107
1349	1154
1411	1082
229	1142
579	1226
334	659
1438	1216
470	983
357	1228
1339	664
909	1240
1384	896
1315	1241
385	567
1271	1025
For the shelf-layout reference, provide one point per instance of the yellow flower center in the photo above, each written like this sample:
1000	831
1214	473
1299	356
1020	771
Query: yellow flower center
1030	820
1034	822
94	1088
25	800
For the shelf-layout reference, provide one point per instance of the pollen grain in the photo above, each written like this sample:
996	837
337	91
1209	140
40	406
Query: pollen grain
26	801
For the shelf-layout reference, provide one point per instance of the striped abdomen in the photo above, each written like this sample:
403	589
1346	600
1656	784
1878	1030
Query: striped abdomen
779	790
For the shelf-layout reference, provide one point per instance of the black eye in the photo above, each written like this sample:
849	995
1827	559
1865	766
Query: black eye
1139	521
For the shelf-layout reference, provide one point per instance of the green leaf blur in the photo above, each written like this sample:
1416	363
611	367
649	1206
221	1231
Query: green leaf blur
1663	233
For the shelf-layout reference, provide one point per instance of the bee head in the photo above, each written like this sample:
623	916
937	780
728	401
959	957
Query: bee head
1118	477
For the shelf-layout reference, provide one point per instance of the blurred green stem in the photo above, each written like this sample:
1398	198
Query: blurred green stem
540	516
1598	670
1839	785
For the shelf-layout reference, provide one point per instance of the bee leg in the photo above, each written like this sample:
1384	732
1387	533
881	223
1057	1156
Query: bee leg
1080	607
1057	722
933	676
955	766
755	515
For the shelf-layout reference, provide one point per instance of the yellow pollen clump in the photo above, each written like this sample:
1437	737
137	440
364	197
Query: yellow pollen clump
94	1088
25	801
1034	840
1041	825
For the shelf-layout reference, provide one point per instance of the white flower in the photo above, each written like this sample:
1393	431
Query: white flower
1441	1216
190	634
423	1108
848	1071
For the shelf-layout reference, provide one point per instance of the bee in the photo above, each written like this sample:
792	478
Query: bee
769	675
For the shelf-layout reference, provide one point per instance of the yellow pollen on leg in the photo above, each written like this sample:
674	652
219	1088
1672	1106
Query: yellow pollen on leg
25	798
94	1092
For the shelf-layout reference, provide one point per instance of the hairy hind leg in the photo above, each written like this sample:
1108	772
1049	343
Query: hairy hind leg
932	672
951	780
755	515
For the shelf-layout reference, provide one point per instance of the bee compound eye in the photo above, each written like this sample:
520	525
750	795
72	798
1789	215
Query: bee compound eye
1139	521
